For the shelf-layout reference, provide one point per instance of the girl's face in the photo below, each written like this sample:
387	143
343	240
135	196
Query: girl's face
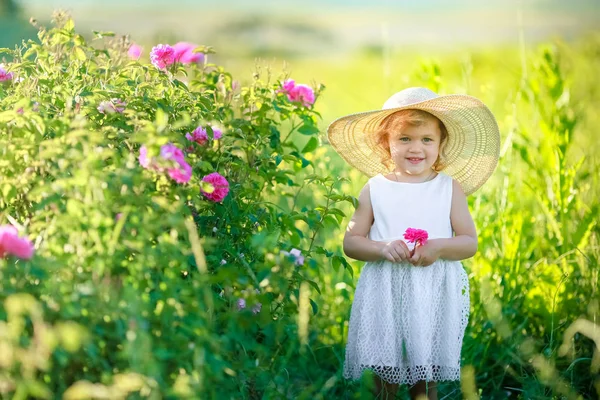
416	148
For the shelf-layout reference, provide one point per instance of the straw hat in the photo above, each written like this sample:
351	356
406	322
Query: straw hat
473	143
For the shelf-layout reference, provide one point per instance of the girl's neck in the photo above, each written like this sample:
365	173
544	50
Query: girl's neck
400	177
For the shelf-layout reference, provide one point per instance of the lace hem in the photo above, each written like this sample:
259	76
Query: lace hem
406	375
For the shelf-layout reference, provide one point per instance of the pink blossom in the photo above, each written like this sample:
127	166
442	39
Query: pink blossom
118	216
20	111
219	183
143	158
184	53
303	94
162	55
300	93
416	236
4	75
298	258
288	85
183	172
12	244
200	136
112	106
134	52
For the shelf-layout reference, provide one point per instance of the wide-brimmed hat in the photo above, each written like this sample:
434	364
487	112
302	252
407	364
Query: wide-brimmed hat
473	144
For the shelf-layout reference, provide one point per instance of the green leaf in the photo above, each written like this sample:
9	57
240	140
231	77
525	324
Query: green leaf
311	145
80	54
314	284
315	307
308	129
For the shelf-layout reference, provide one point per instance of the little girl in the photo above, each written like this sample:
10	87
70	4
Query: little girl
424	154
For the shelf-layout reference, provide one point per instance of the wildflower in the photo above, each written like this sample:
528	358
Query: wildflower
241	303
112	106
134	52
298	93
184	53
298	258
5	75
200	136
162	55
220	184
183	172
12	244
169	152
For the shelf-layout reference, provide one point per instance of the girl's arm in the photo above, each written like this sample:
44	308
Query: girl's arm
464	243
356	243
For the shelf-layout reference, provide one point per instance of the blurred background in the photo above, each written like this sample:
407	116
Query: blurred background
359	49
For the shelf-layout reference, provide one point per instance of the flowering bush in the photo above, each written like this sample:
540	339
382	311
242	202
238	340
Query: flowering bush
154	204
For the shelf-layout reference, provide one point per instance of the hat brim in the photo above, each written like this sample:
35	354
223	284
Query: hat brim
471	152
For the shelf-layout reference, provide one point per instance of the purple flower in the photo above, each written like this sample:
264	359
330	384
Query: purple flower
298	258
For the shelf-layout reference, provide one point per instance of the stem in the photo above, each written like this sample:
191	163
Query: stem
322	218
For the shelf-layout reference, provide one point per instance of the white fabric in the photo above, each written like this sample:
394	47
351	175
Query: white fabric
407	323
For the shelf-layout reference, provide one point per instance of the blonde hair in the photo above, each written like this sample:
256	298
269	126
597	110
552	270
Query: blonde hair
395	122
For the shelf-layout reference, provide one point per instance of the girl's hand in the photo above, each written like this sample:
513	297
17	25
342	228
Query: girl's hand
425	255
395	251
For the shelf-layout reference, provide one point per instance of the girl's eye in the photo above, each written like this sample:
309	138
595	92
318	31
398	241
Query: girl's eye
404	139
428	139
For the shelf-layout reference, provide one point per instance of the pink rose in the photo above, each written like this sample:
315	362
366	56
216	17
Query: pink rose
4	75
134	52
162	55
300	93
416	236
12	244
184	53
181	173
219	183
200	136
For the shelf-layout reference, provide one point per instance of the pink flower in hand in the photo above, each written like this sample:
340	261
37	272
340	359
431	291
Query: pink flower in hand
162	55
219	183
416	236
12	244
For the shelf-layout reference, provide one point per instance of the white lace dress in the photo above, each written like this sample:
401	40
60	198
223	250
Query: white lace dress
407	323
